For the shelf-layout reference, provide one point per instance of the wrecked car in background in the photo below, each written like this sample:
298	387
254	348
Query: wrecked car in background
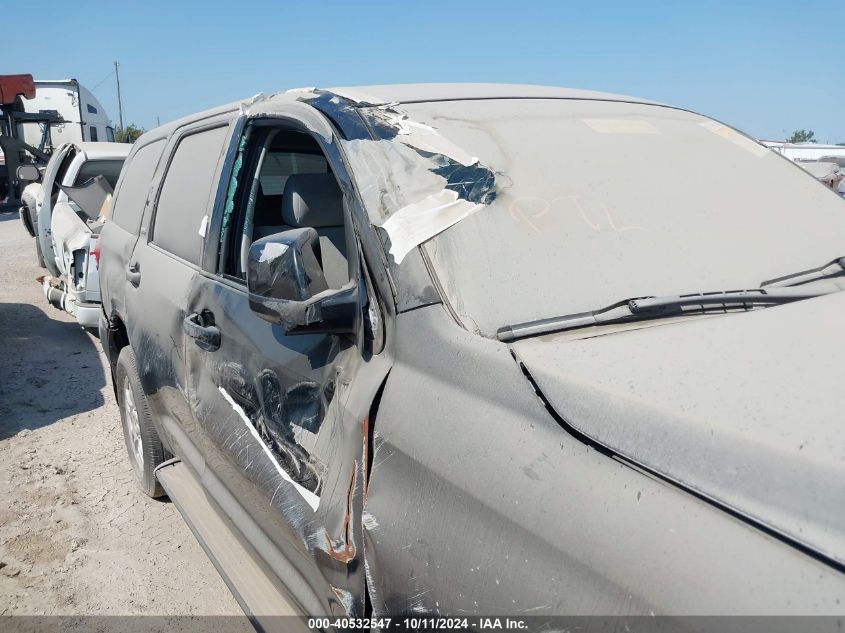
65	212
828	172
474	349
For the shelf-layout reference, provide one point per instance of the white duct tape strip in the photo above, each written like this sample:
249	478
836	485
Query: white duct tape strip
416	223
310	498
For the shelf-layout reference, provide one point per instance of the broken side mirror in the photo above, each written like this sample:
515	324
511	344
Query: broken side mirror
286	286
29	173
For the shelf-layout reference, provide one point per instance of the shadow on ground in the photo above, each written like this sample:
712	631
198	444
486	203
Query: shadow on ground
49	368
6	216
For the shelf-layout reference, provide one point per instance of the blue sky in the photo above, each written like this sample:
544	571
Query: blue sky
766	67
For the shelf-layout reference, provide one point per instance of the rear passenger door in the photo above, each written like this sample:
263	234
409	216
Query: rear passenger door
118	237
163	269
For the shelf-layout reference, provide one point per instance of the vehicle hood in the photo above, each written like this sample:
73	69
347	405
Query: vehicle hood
747	409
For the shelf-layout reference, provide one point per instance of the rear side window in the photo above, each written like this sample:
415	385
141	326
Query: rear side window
109	169
132	196
188	184
93	131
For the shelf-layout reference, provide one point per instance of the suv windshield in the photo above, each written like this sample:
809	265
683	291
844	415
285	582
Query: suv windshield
601	200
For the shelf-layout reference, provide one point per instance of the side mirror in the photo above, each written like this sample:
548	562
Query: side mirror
28	172
286	286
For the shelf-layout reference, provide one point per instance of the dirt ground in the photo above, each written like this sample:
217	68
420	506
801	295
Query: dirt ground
76	536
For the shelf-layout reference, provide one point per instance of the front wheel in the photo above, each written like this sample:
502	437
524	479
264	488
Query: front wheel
142	441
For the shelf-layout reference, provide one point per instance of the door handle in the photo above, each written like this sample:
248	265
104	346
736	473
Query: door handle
201	328
133	274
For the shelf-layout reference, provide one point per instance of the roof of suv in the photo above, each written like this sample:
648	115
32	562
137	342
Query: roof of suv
410	93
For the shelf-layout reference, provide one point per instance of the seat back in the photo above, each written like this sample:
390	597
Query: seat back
315	200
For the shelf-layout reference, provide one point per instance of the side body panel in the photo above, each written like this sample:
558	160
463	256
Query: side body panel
479	502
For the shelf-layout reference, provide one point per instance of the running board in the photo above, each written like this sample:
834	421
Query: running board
260	595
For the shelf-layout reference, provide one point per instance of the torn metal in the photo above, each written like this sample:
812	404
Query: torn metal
415	182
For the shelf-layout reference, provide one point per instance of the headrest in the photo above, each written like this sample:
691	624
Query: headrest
312	200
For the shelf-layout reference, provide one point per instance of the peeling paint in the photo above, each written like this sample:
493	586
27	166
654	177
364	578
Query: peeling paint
369	521
345	598
343	550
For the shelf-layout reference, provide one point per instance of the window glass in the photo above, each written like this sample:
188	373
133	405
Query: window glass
91	109
93	132
109	169
279	165
110	134
135	186
188	184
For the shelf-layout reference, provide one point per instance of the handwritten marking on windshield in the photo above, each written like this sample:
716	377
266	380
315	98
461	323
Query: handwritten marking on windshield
529	209
620	229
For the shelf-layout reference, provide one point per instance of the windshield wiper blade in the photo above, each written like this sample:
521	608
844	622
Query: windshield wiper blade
644	308
832	269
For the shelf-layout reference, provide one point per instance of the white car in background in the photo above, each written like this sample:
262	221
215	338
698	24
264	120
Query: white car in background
66	211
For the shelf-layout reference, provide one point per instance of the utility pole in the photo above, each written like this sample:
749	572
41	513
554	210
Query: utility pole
119	102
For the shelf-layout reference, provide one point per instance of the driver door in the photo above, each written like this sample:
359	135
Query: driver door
281	419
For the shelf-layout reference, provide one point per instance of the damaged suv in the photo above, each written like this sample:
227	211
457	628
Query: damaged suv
475	349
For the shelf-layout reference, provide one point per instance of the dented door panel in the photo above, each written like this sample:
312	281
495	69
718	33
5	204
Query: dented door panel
282	421
158	339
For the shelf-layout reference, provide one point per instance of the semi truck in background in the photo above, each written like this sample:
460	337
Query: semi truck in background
37	116
84	117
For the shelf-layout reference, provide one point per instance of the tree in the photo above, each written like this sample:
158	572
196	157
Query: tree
128	135
802	136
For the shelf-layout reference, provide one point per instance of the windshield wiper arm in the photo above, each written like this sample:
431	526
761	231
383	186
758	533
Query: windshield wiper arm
644	308
834	268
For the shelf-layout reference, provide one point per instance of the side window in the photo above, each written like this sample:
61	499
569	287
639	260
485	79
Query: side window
109	169
93	132
286	183
110	134
188	185
277	166
135	186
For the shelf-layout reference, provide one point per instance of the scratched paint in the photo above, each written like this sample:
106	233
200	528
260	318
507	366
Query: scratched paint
309	497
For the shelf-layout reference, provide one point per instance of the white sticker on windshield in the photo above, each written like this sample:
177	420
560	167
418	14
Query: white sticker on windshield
736	138
621	126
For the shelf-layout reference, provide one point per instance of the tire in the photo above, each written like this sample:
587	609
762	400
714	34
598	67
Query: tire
142	442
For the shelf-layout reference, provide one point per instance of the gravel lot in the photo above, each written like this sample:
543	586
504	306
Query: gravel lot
76	537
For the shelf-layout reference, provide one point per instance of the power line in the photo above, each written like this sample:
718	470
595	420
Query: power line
101	82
